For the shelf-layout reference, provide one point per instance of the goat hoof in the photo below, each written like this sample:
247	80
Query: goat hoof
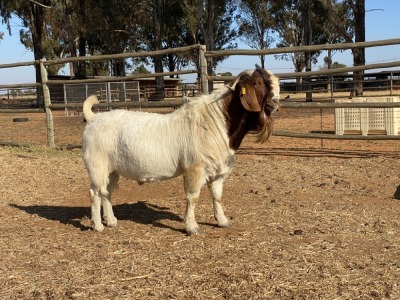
223	222
99	227
112	222
192	231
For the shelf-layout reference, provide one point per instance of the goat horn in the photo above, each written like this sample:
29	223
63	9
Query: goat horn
233	86
248	72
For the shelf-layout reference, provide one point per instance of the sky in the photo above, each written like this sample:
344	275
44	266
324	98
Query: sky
381	22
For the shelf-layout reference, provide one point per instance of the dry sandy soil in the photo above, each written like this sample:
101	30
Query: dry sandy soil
310	220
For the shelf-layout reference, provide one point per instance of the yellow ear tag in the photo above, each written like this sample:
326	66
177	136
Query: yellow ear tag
243	91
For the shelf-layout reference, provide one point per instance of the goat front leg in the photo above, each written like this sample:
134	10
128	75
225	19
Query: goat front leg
193	179
216	188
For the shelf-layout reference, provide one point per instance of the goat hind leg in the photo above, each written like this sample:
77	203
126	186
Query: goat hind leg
216	188
96	209
108	213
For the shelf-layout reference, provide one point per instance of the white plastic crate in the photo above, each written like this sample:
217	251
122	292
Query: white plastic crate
367	120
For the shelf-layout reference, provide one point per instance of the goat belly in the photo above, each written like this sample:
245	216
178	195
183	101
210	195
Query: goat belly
140	146
148	170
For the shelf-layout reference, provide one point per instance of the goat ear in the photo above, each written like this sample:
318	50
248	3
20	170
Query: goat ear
248	98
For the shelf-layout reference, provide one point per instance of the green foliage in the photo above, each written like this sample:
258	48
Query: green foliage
141	70
255	24
290	26
226	74
55	29
337	65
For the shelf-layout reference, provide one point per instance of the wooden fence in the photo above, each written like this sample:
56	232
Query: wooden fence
204	55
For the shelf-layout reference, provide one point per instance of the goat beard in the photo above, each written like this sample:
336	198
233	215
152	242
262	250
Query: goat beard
265	124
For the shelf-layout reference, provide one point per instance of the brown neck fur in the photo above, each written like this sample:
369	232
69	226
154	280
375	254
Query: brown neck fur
240	122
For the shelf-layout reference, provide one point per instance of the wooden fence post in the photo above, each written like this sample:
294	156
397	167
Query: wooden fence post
47	102
203	69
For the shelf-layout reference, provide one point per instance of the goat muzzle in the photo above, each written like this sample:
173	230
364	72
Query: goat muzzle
273	105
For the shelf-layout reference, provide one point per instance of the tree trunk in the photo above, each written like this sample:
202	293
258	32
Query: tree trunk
81	65
307	38
118	66
329	66
262	60
80	68
171	64
359	53
157	45
37	19
210	37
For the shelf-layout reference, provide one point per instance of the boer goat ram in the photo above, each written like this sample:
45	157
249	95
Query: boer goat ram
197	141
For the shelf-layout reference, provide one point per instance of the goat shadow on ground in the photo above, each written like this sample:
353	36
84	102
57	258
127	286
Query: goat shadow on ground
141	212
396	194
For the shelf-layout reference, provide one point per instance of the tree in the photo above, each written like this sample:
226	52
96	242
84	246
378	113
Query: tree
152	32
299	29
341	14
173	23
158	19
209	23
255	24
174	36
109	28
300	23
356	9
68	28
97	27
55	35
141	70
216	32
31	14
297	23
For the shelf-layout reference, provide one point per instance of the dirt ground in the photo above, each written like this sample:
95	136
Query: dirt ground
310	220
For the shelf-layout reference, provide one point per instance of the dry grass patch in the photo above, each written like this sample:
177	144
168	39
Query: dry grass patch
304	226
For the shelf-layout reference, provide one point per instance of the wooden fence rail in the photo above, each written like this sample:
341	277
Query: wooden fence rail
123	55
203	55
322	136
159	104
315	105
283	50
20	85
322	72
119	79
284	104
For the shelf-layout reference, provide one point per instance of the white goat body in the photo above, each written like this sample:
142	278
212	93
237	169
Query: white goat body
192	141
150	147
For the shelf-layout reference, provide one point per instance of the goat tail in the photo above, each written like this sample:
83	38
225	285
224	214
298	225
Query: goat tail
87	108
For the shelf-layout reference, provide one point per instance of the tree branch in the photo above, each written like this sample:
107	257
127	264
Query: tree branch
45	6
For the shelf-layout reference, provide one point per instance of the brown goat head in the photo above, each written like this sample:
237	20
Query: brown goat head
254	97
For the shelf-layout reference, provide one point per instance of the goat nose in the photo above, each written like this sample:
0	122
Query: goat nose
276	100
